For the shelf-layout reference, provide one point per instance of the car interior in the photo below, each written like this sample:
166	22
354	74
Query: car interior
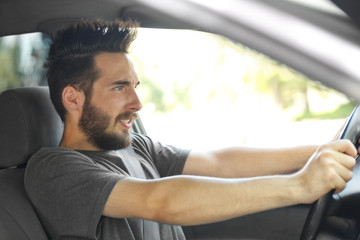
22	133
28	120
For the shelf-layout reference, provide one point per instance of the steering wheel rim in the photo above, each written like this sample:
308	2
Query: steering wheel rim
315	217
319	208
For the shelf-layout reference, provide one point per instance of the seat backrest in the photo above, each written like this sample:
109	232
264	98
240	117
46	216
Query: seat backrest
28	121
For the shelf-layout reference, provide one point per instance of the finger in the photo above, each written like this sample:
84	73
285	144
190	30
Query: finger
334	181
345	161
339	184
342	171
336	174
343	146
328	158
333	169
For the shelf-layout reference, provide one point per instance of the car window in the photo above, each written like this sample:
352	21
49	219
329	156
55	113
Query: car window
21	60
200	90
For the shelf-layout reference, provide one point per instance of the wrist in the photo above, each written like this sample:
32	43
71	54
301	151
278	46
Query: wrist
301	189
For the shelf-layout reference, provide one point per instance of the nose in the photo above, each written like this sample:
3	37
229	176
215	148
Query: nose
134	101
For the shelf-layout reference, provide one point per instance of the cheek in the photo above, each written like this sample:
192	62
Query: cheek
112	104
115	108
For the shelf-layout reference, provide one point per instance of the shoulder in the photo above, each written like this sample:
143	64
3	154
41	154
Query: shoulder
55	157
57	164
55	152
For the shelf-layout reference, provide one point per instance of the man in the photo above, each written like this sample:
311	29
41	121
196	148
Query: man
103	182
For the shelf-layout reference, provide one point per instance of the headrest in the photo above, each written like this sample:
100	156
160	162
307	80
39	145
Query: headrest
28	121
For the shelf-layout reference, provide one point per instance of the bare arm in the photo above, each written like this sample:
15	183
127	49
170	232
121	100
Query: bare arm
239	162
188	200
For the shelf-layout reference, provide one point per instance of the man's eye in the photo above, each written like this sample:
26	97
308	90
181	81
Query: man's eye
118	88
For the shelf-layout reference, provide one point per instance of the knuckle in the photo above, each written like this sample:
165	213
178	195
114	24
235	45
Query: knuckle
325	153
331	176
352	162
323	148
349	176
330	163
326	160
328	154
347	142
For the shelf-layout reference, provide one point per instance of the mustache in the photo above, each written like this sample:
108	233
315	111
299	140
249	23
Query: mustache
127	115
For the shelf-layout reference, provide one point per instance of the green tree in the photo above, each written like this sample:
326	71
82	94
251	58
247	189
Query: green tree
9	60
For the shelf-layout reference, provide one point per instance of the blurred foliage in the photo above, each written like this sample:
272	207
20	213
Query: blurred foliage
286	86
9	62
213	67
21	60
342	111
154	94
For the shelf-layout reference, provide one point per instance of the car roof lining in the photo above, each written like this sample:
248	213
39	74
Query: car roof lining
49	15
339	24
16	12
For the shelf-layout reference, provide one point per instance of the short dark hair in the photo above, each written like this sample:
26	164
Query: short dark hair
71	55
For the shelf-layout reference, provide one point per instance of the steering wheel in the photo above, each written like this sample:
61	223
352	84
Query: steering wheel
319	209
315	217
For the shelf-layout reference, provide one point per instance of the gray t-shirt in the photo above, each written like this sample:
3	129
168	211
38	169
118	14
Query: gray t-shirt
69	188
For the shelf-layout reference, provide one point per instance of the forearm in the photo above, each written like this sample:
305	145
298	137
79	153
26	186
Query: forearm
248	162
187	200
211	200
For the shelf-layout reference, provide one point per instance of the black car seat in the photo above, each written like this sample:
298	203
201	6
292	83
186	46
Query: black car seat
28	121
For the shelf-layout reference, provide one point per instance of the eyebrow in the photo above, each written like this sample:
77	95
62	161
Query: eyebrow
124	83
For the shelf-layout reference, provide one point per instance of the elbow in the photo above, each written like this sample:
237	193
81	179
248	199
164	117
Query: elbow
167	210
166	206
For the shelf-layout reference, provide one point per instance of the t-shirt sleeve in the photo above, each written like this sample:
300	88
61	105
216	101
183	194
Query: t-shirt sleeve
69	191
168	160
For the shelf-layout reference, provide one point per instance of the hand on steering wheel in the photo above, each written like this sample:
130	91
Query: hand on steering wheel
319	209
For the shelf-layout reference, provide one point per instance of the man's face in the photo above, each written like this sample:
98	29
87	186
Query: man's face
108	116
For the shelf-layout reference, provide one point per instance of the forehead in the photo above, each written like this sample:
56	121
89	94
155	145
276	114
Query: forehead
114	67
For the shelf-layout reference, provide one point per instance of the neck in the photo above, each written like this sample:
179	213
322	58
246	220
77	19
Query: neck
73	138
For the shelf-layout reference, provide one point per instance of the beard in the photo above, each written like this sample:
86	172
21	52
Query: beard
94	123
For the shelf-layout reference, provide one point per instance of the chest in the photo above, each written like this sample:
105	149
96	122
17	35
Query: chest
127	162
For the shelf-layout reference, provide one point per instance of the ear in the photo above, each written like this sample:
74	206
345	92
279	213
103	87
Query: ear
73	99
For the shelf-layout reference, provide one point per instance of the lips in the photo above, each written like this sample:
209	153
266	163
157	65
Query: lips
127	120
